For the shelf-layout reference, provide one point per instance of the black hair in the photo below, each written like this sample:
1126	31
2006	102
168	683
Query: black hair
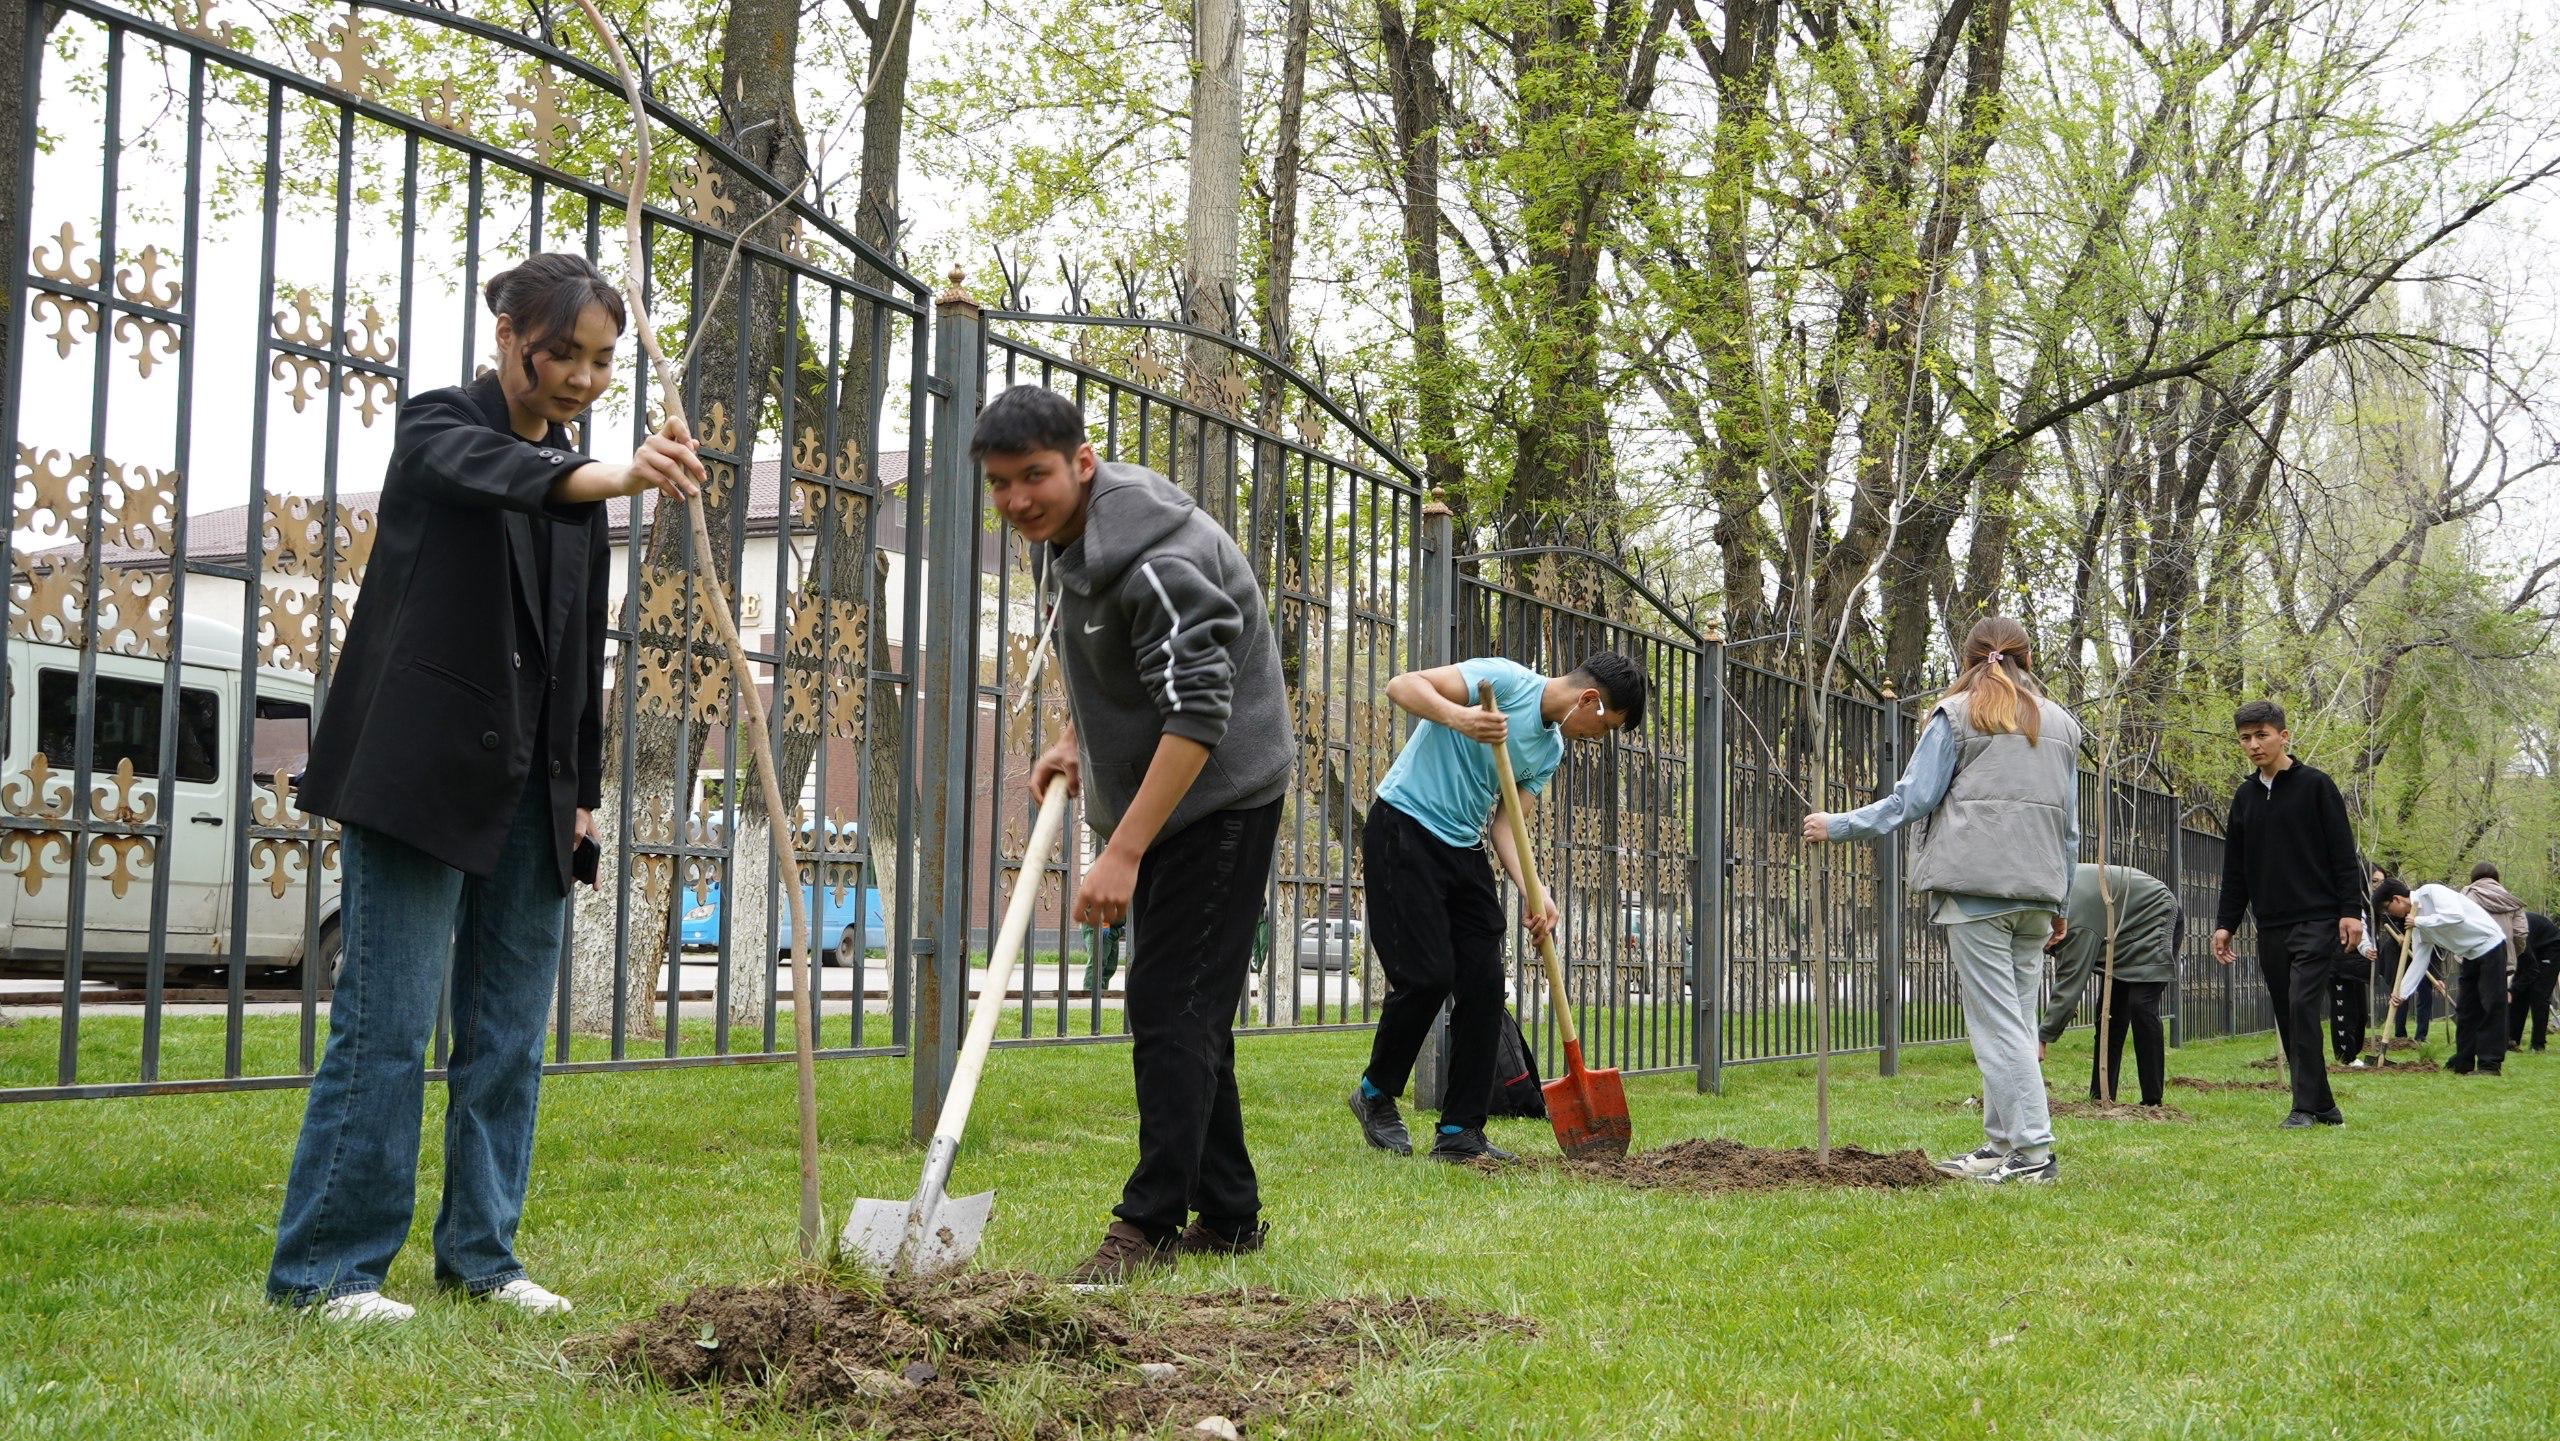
2386	893
546	295
1621	680
2258	713
1028	418
2484	872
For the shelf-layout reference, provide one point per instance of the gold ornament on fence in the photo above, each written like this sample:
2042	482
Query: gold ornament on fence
302	376
349	50
140	281
122	798
66	265
112	859
553	128
700	193
369	338
65	312
445	109
145	505
274	861
53	494
151	339
302	323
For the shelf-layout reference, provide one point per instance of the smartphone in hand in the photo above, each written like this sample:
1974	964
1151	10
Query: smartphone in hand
584	860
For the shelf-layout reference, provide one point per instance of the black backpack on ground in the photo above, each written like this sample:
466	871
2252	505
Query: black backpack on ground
1515	1075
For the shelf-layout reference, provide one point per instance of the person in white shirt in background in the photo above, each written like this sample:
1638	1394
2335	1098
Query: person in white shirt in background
2441	918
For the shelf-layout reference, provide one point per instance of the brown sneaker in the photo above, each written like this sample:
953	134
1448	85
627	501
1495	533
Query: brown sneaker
1124	1252
1202	1239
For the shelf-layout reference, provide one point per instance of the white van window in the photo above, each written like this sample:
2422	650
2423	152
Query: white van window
128	725
281	742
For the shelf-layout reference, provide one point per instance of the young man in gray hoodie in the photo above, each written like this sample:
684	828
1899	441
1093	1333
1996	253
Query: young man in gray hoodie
1179	742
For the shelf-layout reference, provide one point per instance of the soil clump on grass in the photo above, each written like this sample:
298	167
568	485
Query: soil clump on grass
2199	1083
1004	1354
2120	1111
1721	1165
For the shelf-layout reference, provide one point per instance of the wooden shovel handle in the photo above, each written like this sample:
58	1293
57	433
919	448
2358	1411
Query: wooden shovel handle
1532	894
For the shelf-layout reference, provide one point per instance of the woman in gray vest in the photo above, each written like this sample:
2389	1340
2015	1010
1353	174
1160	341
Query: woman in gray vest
1994	785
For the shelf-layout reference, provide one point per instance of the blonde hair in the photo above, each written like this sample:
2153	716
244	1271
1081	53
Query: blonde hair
1996	678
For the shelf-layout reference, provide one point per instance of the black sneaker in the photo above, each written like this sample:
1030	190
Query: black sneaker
2298	1121
1381	1125
1470	1146
1125	1251
2331	1117
1202	1239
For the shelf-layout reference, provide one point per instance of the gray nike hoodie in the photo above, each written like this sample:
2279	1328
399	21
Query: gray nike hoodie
1160	628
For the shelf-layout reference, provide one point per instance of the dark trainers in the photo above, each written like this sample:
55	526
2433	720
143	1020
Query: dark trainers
2331	1117
1470	1146
2019	1169
1381	1125
1203	1239
2297	1121
1124	1252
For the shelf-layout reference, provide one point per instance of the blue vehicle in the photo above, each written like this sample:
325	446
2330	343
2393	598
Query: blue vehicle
702	921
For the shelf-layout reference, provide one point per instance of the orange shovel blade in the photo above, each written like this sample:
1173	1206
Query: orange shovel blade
1589	1110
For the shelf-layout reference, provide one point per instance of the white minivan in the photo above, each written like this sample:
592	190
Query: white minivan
213	805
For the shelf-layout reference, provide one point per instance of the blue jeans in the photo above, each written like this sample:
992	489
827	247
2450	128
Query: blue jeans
348	1201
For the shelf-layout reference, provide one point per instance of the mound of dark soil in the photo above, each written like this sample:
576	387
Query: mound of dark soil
1002	1354
1723	1165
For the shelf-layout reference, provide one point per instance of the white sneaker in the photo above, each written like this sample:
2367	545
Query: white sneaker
528	1298
365	1306
1975	1164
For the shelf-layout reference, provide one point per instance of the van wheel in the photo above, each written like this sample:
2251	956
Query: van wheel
332	957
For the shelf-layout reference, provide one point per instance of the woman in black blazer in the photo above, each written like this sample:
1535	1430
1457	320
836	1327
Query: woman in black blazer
461	751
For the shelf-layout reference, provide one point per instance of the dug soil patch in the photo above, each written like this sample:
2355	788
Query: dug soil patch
2401	1043
2120	1111
2271	1063
2198	1083
1722	1165
1002	1354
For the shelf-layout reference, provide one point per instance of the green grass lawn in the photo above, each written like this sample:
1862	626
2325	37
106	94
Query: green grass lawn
2218	1279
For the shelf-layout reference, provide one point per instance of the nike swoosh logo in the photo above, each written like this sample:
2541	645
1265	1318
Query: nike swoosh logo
1091	629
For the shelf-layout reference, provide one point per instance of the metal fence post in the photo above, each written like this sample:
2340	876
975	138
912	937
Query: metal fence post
2178	963
1435	627
1889	909
950	686
1706	945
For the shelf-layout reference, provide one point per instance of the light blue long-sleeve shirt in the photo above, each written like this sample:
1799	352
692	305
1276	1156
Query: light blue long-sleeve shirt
1922	788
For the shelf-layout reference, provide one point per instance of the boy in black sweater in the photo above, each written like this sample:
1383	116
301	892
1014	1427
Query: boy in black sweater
2289	858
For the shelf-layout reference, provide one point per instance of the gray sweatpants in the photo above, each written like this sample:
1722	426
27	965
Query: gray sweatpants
2000	965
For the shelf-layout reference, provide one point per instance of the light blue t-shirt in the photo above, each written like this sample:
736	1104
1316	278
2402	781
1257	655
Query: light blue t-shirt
1445	780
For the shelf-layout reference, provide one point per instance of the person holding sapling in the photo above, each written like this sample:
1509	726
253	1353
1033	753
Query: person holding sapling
2289	859
1434	915
1994	787
1179	741
2148	922
2442	919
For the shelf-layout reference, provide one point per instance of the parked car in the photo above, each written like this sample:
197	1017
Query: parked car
1329	945
835	916
211	803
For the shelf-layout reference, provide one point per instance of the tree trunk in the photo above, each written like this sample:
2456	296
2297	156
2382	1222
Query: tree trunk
733	377
1413	79
1212	216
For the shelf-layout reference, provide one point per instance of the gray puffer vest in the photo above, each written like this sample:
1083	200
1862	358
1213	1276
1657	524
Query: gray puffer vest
2000	831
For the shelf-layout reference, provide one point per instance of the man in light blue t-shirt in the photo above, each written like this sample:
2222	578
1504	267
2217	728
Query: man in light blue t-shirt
1434	915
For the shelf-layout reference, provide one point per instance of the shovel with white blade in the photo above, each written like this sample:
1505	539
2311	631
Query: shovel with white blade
935	1233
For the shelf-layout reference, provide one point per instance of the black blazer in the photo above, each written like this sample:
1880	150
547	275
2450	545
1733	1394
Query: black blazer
427	732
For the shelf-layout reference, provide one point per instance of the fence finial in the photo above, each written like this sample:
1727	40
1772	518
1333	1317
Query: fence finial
1715	630
1887	689
957	296
1437	505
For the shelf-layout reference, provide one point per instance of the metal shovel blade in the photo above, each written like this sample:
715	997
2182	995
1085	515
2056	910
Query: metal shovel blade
876	1230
